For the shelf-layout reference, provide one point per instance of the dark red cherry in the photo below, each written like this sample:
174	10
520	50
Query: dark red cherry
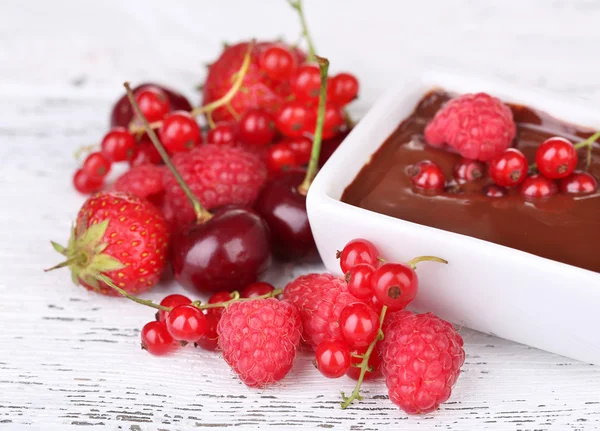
122	113
284	210
225	253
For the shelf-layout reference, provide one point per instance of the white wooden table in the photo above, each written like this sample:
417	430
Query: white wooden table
71	359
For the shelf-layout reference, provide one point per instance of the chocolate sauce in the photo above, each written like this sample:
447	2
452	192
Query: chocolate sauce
565	228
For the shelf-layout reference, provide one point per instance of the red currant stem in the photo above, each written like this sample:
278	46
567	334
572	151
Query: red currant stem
233	112
364	364
313	164
201	213
85	149
381	259
297	4
413	262
106	280
237	298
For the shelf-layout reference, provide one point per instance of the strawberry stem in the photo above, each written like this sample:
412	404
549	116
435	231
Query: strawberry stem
364	364
201	213
313	165
297	4
413	262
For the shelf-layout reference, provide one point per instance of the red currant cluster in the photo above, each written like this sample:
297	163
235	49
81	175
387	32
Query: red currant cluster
555	170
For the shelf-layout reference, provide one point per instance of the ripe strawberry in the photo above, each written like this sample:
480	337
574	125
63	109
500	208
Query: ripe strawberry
259	339
120	236
144	181
218	176
258	90
422	356
320	298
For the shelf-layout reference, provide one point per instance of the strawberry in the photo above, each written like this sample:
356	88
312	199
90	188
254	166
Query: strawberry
120	237
258	90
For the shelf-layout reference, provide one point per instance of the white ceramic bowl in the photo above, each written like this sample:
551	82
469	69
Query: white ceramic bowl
488	287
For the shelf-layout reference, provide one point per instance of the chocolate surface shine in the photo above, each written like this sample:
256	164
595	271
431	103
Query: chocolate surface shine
565	228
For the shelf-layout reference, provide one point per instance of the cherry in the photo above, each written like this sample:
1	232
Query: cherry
95	165
356	252
122	112
359	324
467	170
156	339
87	184
153	102
306	83
509	168
301	147
217	298
258	288
494	191
144	153
118	145
281	157
334	120
171	301
222	134
186	323
295	119
556	158
578	183
277	62
332	358
395	285
342	89
358	278
427	176
257	127
374	364
538	186
180	132
210	339
284	209
227	252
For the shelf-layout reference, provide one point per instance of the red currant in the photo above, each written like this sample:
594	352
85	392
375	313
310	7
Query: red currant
257	127
295	119
467	170
301	146
258	288
277	62
359	280
187	323
538	186
156	338
144	153
118	145
154	103
210	339
578	183
342	89
358	251
556	158
332	358
395	285
427	176
217	298
333	121
222	134
280	157
374	364
494	191
87	184
180	132
171	301
95	165
375	303
509	168
306	83
359	324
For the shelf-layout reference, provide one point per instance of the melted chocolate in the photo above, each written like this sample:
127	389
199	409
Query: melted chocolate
565	228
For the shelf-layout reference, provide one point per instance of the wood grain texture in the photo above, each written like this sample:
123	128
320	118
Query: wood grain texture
71	360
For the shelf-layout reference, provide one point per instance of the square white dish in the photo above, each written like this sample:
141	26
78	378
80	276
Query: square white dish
487	287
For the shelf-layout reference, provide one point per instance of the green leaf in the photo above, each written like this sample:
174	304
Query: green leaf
59	248
105	263
93	234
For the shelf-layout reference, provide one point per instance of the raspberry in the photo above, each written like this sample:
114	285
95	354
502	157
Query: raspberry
144	181
217	175
478	126
320	299
422	356
259	339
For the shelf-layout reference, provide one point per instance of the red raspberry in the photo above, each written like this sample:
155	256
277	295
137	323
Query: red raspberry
478	126
259	339
320	299
422	356
145	181
218	175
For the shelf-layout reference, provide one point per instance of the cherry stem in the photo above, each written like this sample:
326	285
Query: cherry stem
313	165
413	262
201	213
364	364
297	4
148	303
589	143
